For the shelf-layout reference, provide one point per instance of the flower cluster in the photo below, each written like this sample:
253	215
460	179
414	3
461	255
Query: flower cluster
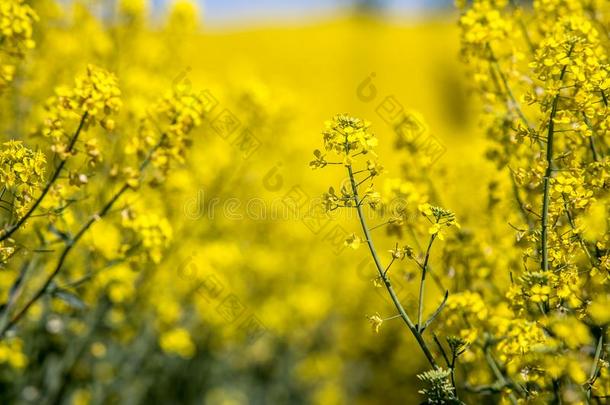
118	282
546	113
440	390
153	234
348	136
166	129
440	219
95	98
465	311
484	23
21	175
69	225
16	27
177	341
97	94
11	353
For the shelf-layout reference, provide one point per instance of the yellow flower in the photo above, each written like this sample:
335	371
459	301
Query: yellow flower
21	173
16	29
167	128
376	322
152	234
400	253
440	218
540	293
347	136
98	349
353	241
425	209
81	396
177	341
11	353
96	93
598	310
572	332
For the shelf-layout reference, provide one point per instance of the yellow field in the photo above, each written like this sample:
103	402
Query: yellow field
164	237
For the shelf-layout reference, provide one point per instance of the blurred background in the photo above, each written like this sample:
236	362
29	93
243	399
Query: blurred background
219	12
253	302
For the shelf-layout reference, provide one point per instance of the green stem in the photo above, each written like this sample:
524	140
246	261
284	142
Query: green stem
581	241
595	367
591	138
62	258
507	88
72	243
7	233
498	374
403	314
547	177
520	203
435	277
422	283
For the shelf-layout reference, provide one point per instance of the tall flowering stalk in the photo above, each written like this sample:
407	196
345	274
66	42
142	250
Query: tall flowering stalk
351	140
93	100
533	327
543	76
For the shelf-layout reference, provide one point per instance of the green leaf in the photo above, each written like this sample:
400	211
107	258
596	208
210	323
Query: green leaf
70	298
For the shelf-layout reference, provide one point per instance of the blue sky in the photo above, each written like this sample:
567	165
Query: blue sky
228	10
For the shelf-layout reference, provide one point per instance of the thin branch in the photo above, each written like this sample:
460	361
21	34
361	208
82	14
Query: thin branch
389	265
73	242
498	374
547	176
507	87
386	280
581	241
441	349
8	232
595	367
422	283
379	226
433	274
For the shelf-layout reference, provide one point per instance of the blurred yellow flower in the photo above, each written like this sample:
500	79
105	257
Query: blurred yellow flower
177	341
